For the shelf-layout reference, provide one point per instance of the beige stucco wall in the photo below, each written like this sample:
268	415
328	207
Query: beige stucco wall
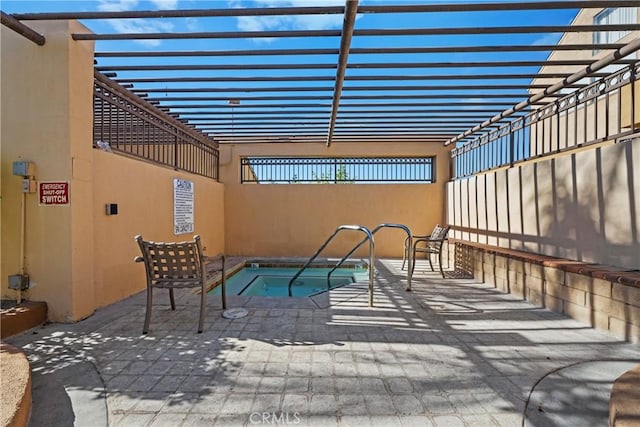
144	194
582	206
46	106
77	257
295	219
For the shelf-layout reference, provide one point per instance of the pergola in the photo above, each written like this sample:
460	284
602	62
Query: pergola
366	85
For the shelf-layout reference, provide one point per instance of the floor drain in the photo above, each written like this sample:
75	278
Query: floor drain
234	313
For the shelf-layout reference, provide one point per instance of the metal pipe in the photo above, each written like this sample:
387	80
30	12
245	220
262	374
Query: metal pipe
25	31
23	238
348	23
373	232
190	13
347	78
365	32
359	51
628	49
366	231
273	11
331	66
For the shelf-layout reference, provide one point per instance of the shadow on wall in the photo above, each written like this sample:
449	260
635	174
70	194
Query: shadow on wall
581	206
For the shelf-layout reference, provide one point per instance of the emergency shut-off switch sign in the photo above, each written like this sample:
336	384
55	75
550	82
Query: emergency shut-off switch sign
53	193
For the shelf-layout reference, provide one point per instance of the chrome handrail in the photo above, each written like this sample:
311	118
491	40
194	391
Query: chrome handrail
369	237
385	225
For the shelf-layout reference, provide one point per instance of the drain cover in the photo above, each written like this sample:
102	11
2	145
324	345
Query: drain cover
234	313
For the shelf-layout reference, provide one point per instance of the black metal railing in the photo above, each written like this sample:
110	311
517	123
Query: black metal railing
125	124
337	170
601	111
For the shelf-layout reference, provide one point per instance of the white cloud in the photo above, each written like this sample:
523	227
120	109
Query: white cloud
290	22
116	5
165	4
141	26
547	39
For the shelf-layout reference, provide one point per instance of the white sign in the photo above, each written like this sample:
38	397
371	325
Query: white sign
182	206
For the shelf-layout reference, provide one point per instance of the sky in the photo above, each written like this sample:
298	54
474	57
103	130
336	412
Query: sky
309	22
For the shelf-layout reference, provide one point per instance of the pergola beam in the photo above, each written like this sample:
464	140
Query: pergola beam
359	51
22	29
459	31
426	77
275	11
328	66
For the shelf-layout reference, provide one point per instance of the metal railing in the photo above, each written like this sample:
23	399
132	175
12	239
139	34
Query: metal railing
373	232
126	124
369	237
601	111
336	170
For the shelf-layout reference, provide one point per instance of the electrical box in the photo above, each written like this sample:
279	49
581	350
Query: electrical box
19	282
29	185
24	168
111	209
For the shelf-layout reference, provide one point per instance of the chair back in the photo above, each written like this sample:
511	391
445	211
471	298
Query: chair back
178	264
438	236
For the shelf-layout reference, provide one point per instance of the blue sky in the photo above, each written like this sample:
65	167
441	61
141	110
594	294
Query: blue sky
312	22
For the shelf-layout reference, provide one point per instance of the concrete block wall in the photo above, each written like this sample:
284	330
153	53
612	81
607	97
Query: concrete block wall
603	303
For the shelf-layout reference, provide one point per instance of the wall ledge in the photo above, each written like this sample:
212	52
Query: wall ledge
599	271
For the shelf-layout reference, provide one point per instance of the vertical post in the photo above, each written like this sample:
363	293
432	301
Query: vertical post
633	99
175	151
224	287
371	269
511	145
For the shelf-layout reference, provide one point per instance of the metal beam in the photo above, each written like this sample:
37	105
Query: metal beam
25	31
403	88
329	66
274	11
358	51
427	77
365	32
628	49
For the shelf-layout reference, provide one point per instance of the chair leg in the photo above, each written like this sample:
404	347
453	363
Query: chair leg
430	263
147	317
172	299
413	261
440	263
203	303
405	254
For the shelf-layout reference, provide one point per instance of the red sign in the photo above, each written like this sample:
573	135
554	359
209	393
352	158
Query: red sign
53	193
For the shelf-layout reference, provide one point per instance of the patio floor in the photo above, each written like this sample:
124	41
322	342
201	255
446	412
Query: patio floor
451	353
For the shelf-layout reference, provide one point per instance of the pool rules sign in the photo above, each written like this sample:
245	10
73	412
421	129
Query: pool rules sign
182	206
53	193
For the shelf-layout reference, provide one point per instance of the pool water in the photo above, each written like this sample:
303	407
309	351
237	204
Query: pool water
274	282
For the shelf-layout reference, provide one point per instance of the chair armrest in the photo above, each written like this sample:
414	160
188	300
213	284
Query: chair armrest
426	236
427	239
138	259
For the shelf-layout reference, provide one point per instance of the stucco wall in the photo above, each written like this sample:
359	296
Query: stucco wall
46	118
144	194
77	257
295	219
582	206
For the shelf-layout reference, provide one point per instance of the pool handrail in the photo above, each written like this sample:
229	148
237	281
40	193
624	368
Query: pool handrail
374	231
369	237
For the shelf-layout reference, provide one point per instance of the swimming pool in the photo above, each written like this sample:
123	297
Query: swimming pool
274	282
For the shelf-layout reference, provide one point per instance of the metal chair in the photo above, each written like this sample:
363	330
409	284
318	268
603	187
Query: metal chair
174	266
430	245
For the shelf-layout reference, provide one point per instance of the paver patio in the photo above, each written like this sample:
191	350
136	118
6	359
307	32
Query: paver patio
451	353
